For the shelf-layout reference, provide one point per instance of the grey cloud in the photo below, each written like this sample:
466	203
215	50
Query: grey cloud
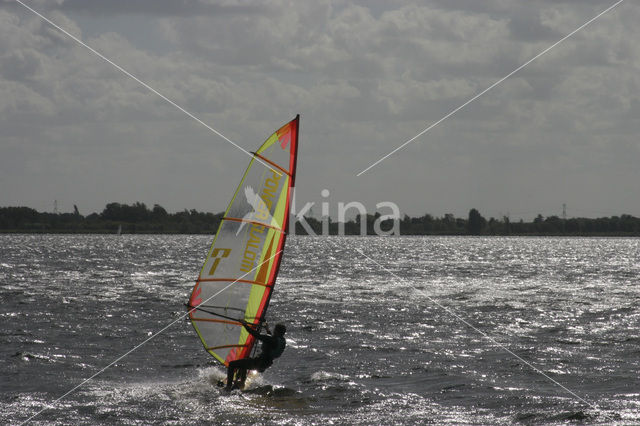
365	78
159	7
529	28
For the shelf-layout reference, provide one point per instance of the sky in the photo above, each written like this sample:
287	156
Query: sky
365	76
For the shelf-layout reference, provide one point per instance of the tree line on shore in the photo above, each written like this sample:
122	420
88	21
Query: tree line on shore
138	218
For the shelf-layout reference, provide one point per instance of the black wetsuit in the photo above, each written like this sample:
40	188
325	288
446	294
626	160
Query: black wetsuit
272	347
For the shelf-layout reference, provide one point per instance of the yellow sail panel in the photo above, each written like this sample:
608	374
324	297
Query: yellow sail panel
238	275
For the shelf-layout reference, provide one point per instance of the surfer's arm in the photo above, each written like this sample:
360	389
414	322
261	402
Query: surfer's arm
251	330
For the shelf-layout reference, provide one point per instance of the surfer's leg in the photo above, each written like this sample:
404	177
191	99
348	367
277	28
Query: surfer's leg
242	377
233	365
251	364
241	366
230	371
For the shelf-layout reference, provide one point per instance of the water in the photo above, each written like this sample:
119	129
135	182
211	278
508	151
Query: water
391	335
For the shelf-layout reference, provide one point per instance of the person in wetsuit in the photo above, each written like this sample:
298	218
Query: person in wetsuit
272	347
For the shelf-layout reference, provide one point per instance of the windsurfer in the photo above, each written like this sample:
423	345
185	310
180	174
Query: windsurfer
273	345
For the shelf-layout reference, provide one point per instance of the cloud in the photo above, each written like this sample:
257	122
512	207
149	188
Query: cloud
366	77
173	8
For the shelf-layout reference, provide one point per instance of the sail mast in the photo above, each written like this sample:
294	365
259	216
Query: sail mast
290	195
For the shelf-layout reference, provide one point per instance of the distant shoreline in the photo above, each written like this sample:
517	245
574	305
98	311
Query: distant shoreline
594	235
138	219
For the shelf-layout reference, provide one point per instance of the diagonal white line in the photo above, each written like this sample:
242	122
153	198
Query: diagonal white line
485	335
491	87
151	89
180	317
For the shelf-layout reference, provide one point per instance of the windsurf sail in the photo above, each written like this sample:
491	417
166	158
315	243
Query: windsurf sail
239	273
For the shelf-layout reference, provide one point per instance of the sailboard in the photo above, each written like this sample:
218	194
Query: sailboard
237	279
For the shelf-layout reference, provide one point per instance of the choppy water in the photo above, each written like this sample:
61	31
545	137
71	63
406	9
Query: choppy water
374	338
